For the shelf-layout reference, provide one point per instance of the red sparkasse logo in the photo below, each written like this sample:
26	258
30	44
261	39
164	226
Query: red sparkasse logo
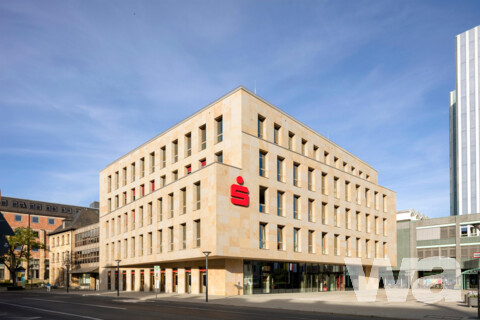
239	193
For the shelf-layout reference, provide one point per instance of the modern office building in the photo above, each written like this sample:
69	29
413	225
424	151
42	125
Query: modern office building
42	217
464	126
278	206
76	245
455	237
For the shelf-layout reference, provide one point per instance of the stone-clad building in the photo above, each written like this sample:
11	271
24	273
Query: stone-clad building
277	204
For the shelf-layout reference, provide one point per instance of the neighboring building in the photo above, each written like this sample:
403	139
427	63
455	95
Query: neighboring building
454	237
278	205
464	126
76	244
42	217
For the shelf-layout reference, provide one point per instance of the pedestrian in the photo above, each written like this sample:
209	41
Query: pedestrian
48	287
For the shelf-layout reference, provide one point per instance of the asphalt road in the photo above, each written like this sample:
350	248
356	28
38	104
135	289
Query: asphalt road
42	305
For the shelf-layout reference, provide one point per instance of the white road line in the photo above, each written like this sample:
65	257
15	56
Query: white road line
82	304
51	311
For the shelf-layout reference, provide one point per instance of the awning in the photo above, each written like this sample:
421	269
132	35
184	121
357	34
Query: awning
85	270
471	271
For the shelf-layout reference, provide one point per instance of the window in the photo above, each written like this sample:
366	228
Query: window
188	169
160	209
51	221
304	147
140	217
262	236
345	166
219	125
152	185
385	203
197	195
260	126
163	155
296	204
311	210
367	247
377	251
109	185
262	163
188	144
149	213
367	219
291	137
367	202
311	176
357	194
325	158
203	162
336	190
347	190
18	218
132	172
336	218
324	243
335	162
125	248
336	244
175	175
203	137
316	152
142	189
348	219
353	170
296	176
385	227
160	241
296	239
132	194
140	245
347	246
280	237
132	253
276	133
117	201
183	193
311	241
171	205
170	239
132	217
375	199
280	203
124	176
117	180
357	219
219	156
385	250
197	233
324	183
376	225
360	173
163	180
183	229
174	151
359	248
125	222
262	194
149	243
280	176
142	167
324	213
152	162
124	197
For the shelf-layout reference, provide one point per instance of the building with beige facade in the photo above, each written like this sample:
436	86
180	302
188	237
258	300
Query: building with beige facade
278	205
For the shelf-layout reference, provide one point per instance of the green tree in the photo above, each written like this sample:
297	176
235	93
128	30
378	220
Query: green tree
18	251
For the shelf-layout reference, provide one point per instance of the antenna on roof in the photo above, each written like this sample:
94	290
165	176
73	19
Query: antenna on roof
255	89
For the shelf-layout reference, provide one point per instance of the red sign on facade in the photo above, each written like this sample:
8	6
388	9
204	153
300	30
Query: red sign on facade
476	255
239	193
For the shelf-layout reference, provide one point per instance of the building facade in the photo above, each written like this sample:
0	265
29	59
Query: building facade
42	217
464	126
278	206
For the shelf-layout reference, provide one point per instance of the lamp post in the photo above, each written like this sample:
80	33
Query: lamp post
118	277
67	264
206	253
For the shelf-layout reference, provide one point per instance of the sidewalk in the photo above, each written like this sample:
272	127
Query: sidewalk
344	302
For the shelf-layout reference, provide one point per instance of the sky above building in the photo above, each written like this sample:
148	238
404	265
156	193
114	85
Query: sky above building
84	82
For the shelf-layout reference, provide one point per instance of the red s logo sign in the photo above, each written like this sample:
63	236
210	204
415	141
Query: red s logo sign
239	194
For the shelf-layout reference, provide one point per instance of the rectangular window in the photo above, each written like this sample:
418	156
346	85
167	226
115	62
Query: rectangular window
198	233
385	250
125	248
316	152
368	249
152	185
188	169
347	190
376	225
375	199
149	243
109	183
357	194
296	239
326	158
280	238
170	239
280	176
348	219
357	219
124	197
160	241
324	183
203	137
160	209
149	213
335	162
203	162
336	190
183	194
262	236
311	180
198	196
262	158
132	215
117	201
377	251
291	138
345	166
296	204
152	162
336	217
18	218
261	126
142	167
163	155
163	180
280	203
359	248
311	241
140	217
311	210
124	176
125	222
385	229
276	133
171	205
304	147
183	229
367	219
347	246
142	189
132	172
140	245
324	243
385	203
219	125
296	177
188	144
337	245
117	180
219	156
175	175
324	213
174	151
367	202
51	221
262	195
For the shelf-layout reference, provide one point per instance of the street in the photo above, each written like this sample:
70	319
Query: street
41	305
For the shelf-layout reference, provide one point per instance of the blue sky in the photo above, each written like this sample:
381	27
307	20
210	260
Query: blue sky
84	82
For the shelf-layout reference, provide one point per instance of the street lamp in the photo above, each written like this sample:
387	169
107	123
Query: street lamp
206	253
67	264
118	277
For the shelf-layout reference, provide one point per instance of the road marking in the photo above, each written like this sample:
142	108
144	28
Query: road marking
51	311
82	304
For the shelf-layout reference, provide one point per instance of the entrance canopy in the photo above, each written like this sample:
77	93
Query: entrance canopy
471	271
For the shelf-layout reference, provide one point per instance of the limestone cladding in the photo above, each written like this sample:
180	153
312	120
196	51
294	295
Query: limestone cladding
322	199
